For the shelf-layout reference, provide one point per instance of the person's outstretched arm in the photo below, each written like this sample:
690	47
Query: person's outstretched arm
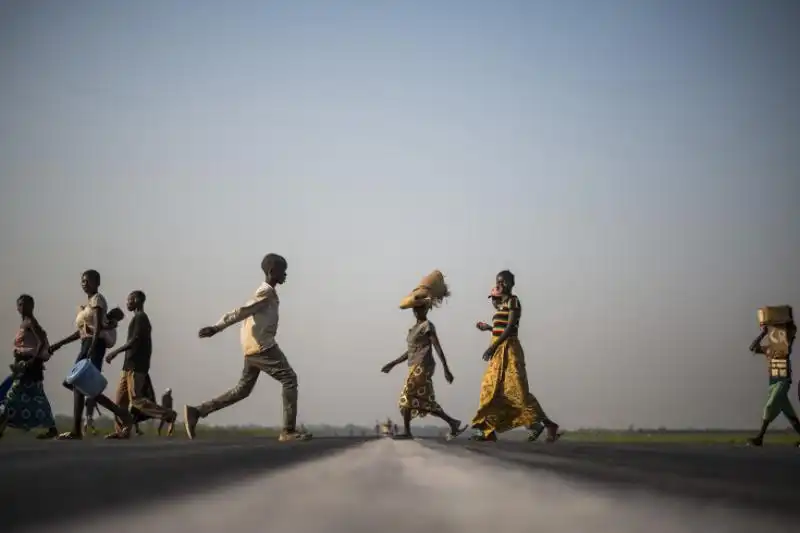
237	315
66	340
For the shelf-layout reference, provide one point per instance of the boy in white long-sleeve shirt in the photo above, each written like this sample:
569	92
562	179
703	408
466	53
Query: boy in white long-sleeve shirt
259	318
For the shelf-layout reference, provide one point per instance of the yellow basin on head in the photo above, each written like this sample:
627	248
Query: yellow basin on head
775	315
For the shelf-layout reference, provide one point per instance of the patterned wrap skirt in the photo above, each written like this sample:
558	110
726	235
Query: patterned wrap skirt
505	401
418	394
26	406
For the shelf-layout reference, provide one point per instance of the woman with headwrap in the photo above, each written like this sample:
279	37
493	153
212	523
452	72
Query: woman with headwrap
505	401
417	398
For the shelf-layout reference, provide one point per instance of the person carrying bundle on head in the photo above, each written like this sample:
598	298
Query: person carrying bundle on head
779	330
417	398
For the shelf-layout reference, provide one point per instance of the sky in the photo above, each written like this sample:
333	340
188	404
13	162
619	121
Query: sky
635	164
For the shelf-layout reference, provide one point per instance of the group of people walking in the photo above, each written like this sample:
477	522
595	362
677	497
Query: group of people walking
505	401
25	405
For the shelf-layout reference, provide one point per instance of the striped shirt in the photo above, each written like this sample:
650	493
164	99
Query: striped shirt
500	320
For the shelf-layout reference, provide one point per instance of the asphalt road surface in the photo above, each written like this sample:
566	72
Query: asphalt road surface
243	485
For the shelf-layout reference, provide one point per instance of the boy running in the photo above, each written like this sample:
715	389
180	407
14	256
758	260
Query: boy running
259	318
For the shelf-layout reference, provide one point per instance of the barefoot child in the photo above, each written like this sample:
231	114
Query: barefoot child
259	319
418	398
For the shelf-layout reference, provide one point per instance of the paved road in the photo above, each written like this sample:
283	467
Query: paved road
762	479
354	485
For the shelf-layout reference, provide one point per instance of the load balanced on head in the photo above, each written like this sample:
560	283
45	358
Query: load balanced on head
779	331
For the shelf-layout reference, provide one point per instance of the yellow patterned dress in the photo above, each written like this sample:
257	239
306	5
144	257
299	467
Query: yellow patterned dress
506	402
418	394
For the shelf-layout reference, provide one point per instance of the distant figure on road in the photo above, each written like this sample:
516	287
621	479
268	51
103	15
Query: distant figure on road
778	351
134	390
166	403
261	353
505	400
96	328
25	405
418	398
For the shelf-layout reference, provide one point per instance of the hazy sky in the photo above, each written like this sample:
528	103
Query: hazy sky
635	164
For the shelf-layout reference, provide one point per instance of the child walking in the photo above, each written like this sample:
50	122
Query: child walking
417	398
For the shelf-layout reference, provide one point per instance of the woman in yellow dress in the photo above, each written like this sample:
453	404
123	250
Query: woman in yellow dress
506	402
418	398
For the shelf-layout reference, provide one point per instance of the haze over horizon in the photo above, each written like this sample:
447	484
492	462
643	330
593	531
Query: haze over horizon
636	165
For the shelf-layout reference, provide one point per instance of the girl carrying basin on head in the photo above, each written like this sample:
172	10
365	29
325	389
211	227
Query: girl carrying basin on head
417	398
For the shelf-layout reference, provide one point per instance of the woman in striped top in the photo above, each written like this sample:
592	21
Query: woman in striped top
505	401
